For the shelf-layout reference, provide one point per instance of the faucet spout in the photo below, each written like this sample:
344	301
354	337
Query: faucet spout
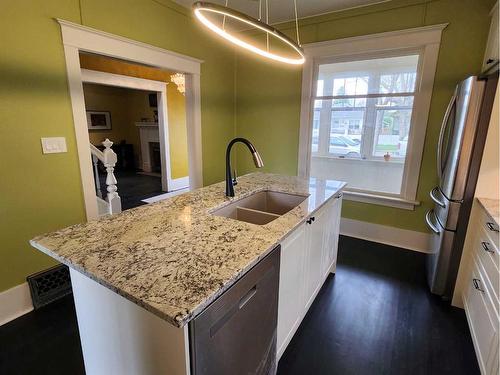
256	159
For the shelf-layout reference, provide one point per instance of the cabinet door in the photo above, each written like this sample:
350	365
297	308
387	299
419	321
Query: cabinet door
483	320
292	282
493	360
316	238
491	52
331	233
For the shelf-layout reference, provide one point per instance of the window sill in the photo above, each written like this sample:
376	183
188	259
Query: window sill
358	160
381	200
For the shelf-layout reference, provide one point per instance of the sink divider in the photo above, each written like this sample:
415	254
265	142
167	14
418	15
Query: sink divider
255	216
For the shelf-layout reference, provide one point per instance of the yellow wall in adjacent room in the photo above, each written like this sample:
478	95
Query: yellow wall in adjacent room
126	107
176	104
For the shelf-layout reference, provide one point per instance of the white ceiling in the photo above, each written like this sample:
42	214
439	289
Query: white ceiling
282	10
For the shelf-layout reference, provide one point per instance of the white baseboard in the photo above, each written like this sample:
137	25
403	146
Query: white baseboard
15	302
178	183
407	239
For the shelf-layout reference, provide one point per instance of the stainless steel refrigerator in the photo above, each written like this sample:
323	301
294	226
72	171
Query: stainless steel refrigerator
459	153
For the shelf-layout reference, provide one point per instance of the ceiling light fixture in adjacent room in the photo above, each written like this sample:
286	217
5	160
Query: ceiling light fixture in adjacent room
180	80
201	9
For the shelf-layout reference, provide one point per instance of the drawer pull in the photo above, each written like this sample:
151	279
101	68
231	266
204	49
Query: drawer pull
492	227
486	247
477	284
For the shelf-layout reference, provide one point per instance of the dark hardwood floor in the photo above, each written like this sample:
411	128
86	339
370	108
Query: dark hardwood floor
133	187
375	316
42	342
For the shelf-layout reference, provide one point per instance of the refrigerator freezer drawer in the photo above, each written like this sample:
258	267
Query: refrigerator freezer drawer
446	211
438	261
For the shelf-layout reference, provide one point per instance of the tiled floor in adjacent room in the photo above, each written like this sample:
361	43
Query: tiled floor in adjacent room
375	316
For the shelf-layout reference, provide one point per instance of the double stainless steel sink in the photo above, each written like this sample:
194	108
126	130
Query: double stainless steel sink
261	207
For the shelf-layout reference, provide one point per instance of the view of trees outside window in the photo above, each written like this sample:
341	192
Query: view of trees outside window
363	109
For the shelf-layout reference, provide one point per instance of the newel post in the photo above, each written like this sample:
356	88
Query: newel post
110	159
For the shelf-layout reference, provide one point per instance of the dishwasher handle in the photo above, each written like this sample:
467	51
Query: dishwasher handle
247	297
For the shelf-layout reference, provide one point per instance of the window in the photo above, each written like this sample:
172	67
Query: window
378	93
369	103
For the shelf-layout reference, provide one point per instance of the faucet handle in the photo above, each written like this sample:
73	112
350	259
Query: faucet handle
235	182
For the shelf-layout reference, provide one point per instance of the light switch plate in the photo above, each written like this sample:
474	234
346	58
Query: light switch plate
54	145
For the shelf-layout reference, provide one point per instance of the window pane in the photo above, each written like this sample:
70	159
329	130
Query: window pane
345	133
397	82
350	85
319	88
392	127
315	132
373	76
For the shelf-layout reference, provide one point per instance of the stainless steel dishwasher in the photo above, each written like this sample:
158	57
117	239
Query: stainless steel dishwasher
236	334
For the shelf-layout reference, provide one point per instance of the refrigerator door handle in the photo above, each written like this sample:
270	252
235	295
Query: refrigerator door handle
429	222
435	199
442	133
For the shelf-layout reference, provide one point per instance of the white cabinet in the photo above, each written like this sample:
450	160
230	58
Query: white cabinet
291	296
491	52
332	232
316	230
307	256
478	287
482	319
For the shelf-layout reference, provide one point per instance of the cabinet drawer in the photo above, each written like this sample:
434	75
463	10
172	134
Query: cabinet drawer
489	258
489	226
483	320
493	361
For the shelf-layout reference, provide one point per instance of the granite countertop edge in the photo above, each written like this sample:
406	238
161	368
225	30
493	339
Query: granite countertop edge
491	207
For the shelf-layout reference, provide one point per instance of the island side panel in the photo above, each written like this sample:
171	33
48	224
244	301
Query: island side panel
119	337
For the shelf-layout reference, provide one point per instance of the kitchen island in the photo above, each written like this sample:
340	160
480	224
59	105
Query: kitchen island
141	276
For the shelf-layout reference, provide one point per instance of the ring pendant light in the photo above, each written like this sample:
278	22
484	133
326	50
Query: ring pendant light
201	7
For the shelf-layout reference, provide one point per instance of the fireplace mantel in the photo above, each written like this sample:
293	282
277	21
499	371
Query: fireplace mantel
146	124
149	133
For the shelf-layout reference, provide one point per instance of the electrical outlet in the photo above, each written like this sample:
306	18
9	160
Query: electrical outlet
54	145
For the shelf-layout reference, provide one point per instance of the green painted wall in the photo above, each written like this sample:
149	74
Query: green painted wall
40	193
268	94
244	96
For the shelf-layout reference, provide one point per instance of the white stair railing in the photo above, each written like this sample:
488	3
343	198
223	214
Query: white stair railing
112	204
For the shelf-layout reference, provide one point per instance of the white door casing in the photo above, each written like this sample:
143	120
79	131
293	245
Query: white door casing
78	38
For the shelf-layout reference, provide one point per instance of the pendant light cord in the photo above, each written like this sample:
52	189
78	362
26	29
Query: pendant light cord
267	21
260	10
296	21
224	18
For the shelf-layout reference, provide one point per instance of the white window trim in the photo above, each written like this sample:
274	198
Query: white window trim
426	39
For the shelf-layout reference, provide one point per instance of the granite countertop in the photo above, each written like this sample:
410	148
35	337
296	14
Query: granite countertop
174	257
492	207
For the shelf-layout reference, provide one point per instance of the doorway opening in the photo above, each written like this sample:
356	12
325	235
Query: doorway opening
143	113
84	41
